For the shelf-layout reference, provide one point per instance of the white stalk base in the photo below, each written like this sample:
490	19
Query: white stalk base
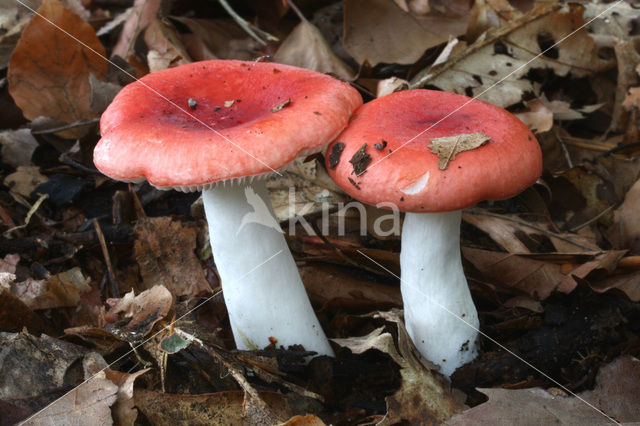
439	313
265	297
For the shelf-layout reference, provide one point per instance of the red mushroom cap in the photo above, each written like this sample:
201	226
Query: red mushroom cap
264	116
408	175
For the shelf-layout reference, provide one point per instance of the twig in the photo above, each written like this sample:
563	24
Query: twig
565	151
105	252
250	392
66	127
137	205
248	26
27	219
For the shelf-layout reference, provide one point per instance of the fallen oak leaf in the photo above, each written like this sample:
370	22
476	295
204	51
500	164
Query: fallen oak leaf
49	71
447	147
280	106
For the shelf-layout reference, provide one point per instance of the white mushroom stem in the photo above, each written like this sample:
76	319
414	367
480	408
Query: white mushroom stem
264	294
439	312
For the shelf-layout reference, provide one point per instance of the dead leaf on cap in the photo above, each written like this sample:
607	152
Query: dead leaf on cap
49	73
447	147
279	106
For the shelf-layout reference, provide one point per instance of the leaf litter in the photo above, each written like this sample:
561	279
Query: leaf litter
554	270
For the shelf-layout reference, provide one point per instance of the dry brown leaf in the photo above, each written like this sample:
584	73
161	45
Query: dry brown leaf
617	394
536	278
501	231
217	39
62	290
538	118
378	31
17	147
308	420
141	312
144	11
447	147
391	85
91	400
124	411
305	47
540	276
335	286
165	47
49	71
505	53
221	408
629	284
164	251
24	180
14	314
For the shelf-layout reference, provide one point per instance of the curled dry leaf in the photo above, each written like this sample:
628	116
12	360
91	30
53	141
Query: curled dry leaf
143	12
391	85
49	71
425	396
538	118
305	47
124	411
138	313
165	47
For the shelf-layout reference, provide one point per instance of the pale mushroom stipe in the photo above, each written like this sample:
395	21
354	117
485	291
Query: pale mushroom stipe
229	125
481	152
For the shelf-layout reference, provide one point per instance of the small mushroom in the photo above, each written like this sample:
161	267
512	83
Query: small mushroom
445	330
228	160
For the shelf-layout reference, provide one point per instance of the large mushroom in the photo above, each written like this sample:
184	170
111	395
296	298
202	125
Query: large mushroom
222	127
388	154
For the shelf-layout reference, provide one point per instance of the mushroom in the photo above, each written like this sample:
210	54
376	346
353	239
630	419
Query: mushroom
222	127
385	154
